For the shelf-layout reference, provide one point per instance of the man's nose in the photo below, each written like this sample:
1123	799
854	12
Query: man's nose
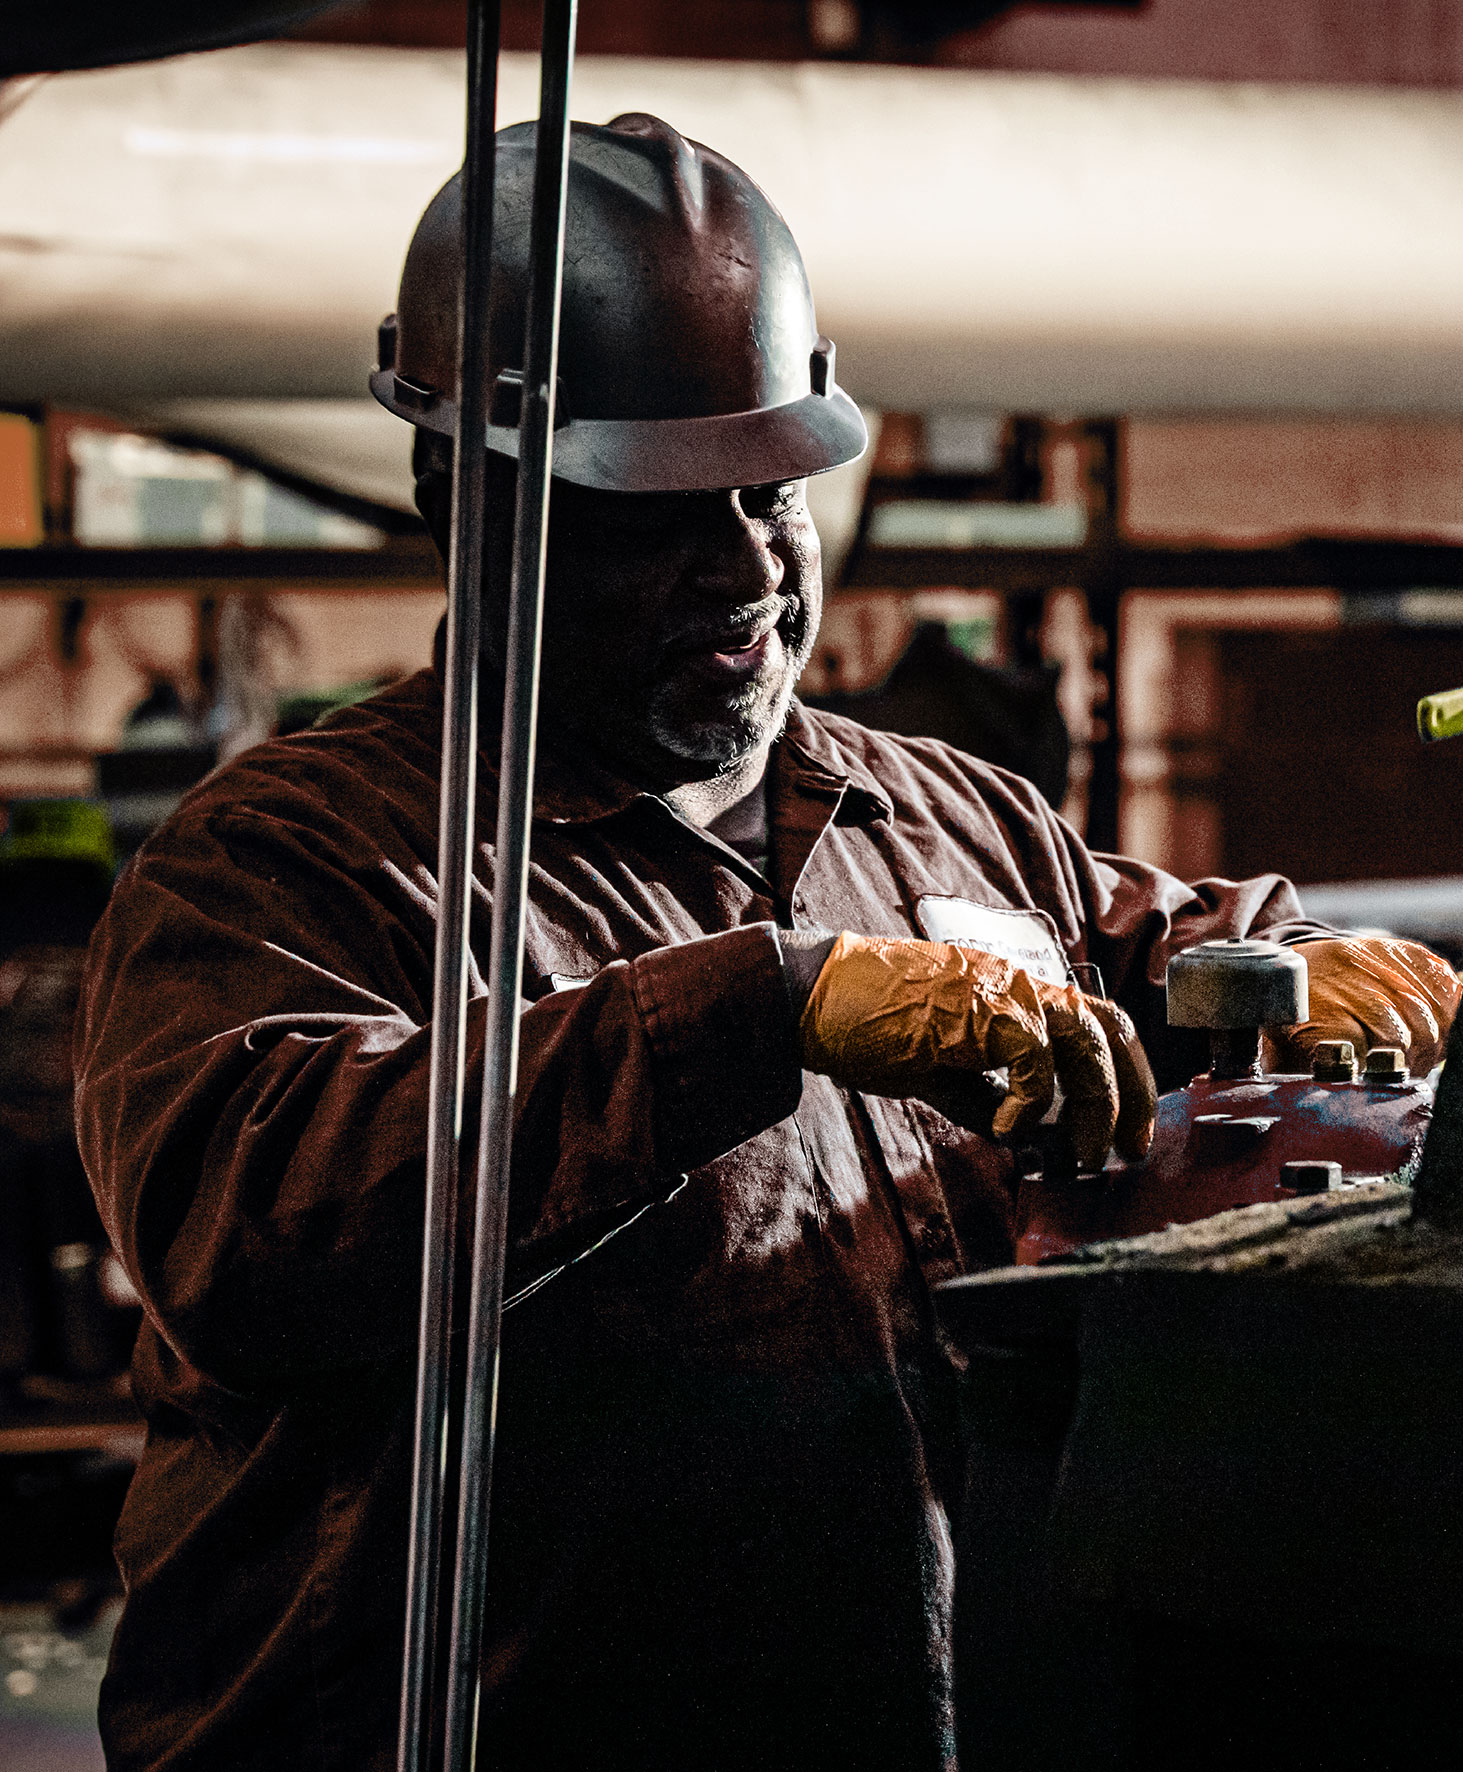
738	563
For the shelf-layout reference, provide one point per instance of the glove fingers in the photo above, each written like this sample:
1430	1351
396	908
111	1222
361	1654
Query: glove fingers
1415	1019
1021	1044
972	1099
1441	990
1088	1075
1385	1025
1291	1049
1374	992
1137	1091
1433	973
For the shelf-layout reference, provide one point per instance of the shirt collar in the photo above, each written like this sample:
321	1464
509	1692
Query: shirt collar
806	759
811	756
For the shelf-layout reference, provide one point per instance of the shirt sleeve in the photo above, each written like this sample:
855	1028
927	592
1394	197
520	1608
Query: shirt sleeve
252	1087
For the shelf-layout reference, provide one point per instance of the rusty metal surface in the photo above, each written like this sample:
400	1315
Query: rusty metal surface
1220	1144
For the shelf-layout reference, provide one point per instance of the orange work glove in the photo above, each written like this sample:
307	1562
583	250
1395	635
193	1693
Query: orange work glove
925	1019
1373	992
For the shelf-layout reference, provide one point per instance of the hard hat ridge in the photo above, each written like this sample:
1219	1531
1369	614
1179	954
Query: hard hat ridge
689	355
685	170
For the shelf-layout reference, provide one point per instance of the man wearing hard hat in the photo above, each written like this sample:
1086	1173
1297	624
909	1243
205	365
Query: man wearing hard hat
771	956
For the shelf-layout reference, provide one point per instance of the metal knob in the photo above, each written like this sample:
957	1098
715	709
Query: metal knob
1237	984
1234	988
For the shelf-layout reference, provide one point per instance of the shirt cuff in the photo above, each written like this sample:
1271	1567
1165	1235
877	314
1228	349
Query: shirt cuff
727	1060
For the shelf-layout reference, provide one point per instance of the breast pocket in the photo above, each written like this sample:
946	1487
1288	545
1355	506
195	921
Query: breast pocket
1027	938
561	981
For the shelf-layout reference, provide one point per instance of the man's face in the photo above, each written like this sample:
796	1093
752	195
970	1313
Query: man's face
676	624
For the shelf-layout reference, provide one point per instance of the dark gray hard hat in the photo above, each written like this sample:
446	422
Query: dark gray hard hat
689	357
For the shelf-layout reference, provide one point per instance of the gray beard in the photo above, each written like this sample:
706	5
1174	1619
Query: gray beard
728	742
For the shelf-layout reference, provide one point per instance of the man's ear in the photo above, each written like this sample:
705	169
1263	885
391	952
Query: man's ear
431	466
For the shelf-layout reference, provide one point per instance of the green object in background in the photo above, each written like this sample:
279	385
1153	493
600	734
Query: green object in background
1441	715
293	713
976	638
58	830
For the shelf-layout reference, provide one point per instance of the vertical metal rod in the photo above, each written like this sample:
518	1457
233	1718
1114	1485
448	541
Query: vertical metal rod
455	822
1104	608
510	888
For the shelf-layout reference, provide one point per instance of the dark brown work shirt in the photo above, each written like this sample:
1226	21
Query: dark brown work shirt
727	1432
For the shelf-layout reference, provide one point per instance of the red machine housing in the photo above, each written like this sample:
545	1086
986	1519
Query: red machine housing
1220	1143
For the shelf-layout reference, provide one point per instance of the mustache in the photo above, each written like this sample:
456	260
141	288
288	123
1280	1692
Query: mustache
737	627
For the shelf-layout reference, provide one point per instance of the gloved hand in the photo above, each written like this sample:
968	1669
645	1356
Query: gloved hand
925	1019
1373	992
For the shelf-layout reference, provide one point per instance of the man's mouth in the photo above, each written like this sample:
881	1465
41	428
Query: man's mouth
749	655
739	653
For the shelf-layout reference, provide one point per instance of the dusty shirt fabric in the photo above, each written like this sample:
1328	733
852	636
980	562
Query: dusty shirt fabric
728	1455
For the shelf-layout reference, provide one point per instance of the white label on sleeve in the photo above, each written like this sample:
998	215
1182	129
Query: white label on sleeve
562	982
1027	939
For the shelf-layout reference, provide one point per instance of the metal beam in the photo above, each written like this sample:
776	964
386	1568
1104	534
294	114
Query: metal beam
1318	563
410	562
1323	562
1103	587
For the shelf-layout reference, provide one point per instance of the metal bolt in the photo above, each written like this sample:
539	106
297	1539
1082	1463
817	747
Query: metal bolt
1228	1134
1334	1061
1386	1064
1310	1177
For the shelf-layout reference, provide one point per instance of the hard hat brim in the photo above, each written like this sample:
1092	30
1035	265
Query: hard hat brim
789	442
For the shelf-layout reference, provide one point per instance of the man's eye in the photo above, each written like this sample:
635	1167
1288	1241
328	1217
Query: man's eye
780	500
